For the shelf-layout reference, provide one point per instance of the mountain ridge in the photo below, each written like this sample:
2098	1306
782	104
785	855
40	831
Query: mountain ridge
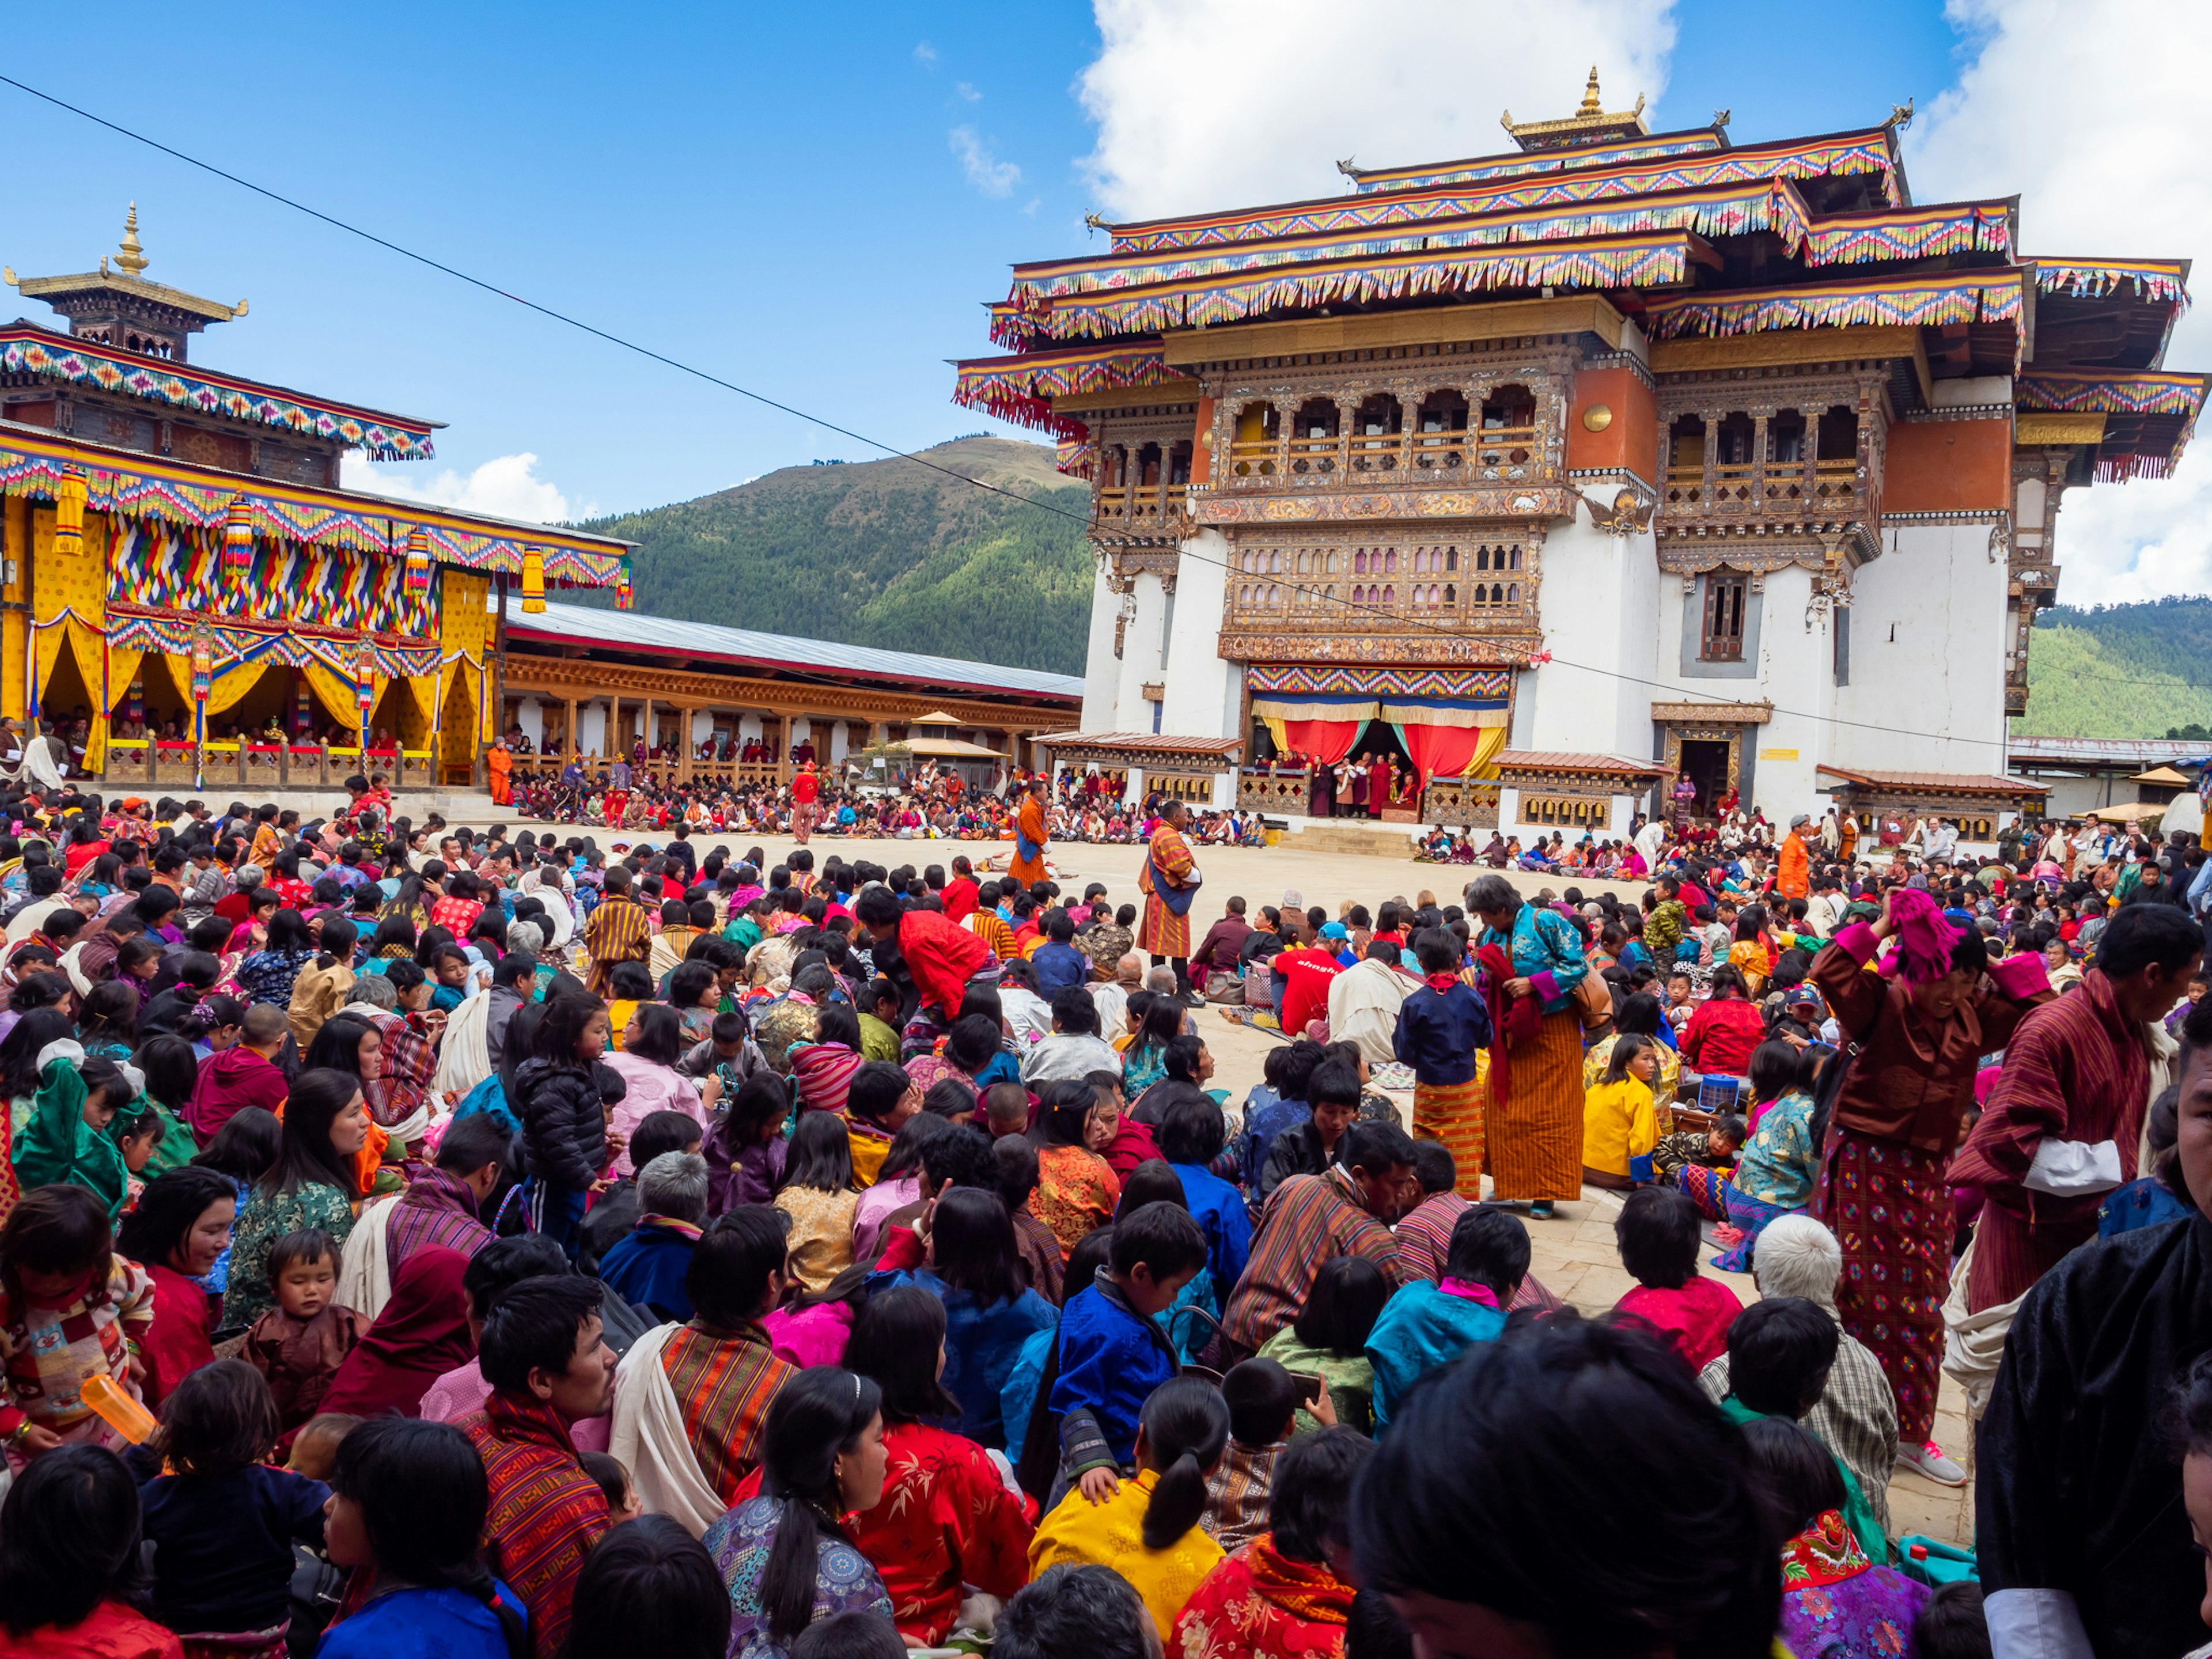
898	553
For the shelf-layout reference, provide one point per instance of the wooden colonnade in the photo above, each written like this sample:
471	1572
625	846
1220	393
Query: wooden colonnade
571	684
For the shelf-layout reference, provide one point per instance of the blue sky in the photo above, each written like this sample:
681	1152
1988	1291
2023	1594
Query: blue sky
814	202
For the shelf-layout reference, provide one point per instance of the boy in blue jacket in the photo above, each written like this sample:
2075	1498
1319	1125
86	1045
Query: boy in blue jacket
1440	1027
1109	1356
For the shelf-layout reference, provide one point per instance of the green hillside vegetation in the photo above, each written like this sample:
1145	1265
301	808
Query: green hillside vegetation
882	553
2122	671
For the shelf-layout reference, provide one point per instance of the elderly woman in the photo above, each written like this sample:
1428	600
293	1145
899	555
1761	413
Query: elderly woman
1533	960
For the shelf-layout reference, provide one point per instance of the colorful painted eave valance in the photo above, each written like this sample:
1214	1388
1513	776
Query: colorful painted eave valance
2143	393
1941	297
2172	402
1377	180
1020	389
132	486
2090	279
1850	239
1719	211
1848	152
288	644
26	349
1650	260
1310	680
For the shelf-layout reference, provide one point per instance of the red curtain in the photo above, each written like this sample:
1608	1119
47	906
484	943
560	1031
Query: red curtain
1441	751
1325	741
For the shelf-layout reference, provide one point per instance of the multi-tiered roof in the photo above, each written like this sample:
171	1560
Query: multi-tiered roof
1686	232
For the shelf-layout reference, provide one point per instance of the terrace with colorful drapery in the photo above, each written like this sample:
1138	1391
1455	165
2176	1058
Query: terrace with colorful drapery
190	599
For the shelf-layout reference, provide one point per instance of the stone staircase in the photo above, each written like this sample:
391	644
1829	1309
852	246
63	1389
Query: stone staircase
1367	840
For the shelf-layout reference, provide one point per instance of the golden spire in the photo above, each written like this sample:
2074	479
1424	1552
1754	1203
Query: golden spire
133	258
1591	105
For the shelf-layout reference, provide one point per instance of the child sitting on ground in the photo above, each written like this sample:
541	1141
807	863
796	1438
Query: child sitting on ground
1262	1400
819	1199
1109	1356
222	1521
1657	1233
299	1344
1620	1125
1424	1326
1780	1351
1713	1148
70	1309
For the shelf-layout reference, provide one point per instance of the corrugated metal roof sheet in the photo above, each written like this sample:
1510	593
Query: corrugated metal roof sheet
1154	742
1970	783
1556	760
629	630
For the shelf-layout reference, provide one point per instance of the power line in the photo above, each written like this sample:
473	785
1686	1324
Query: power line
711	379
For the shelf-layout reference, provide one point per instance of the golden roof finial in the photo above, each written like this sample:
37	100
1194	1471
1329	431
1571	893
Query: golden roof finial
1591	104
133	258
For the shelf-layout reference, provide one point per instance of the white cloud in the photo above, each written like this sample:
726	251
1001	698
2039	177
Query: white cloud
1224	103
507	487
967	93
924	53
985	171
2091	111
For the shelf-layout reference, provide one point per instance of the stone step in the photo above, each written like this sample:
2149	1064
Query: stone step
1370	840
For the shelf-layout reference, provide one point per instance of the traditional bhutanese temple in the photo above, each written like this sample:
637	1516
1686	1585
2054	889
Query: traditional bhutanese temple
180	555
1569	472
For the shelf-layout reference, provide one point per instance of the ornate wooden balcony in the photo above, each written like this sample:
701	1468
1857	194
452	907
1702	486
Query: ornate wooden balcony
1491	454
1139	511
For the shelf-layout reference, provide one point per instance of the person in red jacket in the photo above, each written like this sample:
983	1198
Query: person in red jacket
244	1075
1722	1034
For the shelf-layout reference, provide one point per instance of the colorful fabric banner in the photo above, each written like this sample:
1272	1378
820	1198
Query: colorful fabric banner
1451	752
1951	296
162	567
293	647
1019	388
2152	279
1844	153
1643	261
1377	180
2113	393
28	349
1334	679
136	488
1850	239
1323	741
1720	210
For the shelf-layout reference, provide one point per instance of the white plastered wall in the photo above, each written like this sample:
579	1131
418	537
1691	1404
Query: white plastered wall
1927	655
1205	693
1102	671
1595	604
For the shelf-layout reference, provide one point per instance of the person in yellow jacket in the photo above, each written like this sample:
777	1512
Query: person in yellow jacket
1619	1124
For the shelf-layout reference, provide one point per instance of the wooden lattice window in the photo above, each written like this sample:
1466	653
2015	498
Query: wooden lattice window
1566	811
1726	596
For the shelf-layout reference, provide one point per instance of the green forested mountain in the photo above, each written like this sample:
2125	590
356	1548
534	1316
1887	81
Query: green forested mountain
883	553
2121	671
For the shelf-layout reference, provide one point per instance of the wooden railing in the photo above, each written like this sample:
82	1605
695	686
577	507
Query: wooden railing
1279	790
259	766
1471	803
1140	504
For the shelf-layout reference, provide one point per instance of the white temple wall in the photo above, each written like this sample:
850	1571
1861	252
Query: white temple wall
1926	690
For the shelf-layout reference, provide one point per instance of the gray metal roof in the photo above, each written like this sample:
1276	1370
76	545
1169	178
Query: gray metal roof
631	630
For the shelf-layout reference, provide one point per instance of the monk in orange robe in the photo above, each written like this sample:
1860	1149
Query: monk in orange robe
1029	836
